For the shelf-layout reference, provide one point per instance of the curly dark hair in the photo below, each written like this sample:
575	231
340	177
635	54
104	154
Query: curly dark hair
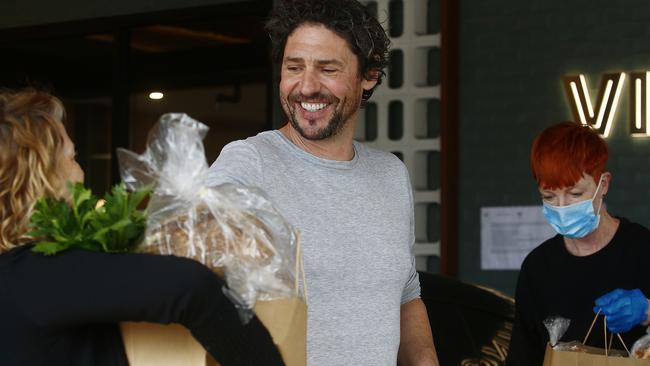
348	18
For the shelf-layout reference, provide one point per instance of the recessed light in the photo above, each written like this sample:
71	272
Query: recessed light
156	95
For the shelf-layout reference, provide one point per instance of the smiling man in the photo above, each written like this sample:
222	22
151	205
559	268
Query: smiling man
352	204
321	88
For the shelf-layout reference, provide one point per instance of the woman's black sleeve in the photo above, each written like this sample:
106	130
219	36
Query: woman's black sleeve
79	287
525	349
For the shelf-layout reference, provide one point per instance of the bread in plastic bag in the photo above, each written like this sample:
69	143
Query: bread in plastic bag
234	230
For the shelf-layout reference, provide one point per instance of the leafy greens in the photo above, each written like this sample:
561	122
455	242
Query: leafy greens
114	227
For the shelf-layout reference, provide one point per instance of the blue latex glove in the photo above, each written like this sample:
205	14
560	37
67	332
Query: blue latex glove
624	309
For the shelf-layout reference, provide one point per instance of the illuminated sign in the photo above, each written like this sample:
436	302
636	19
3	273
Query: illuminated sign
601	114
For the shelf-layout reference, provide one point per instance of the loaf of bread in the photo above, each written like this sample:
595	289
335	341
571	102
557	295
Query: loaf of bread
199	235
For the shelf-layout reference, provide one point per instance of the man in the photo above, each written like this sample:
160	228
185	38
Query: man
353	205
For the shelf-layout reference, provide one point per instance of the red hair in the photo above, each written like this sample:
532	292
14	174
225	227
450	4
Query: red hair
564	152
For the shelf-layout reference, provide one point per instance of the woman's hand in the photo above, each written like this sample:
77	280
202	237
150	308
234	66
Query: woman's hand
623	309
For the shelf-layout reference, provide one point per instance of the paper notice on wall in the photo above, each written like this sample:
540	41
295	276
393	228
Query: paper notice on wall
508	234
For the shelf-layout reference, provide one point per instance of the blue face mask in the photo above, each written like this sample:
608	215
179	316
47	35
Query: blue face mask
574	221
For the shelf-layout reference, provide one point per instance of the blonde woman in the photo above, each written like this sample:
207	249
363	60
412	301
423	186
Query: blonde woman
64	309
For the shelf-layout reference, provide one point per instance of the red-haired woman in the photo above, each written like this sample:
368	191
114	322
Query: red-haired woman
597	262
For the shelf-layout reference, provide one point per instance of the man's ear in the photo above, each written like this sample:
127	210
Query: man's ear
371	79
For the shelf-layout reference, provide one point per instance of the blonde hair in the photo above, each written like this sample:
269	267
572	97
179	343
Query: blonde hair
31	147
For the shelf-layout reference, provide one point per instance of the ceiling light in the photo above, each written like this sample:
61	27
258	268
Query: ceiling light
156	95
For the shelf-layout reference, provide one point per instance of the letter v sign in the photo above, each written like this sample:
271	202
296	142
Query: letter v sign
580	100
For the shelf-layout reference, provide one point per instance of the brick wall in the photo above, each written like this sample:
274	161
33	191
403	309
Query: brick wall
513	54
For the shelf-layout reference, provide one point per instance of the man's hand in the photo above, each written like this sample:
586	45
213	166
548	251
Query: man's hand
623	309
416	342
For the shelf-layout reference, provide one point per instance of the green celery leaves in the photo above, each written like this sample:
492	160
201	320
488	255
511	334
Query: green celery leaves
115	227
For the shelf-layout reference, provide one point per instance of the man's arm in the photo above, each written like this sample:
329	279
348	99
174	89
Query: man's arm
238	163
416	342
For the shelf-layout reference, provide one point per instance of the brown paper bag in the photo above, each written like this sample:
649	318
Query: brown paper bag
149	344
286	320
593	357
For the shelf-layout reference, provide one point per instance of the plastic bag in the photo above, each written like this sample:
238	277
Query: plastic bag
641	348
556	327
234	230
573	346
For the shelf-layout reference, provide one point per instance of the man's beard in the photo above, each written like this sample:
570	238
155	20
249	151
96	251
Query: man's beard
334	125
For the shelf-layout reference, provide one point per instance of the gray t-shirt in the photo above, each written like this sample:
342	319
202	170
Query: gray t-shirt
356	224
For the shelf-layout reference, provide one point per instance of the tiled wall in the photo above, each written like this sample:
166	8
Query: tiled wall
513	54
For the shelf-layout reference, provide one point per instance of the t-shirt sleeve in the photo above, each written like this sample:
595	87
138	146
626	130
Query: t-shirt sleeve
412	286
526	347
238	163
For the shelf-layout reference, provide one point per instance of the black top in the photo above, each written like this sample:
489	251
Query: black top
554	282
63	310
